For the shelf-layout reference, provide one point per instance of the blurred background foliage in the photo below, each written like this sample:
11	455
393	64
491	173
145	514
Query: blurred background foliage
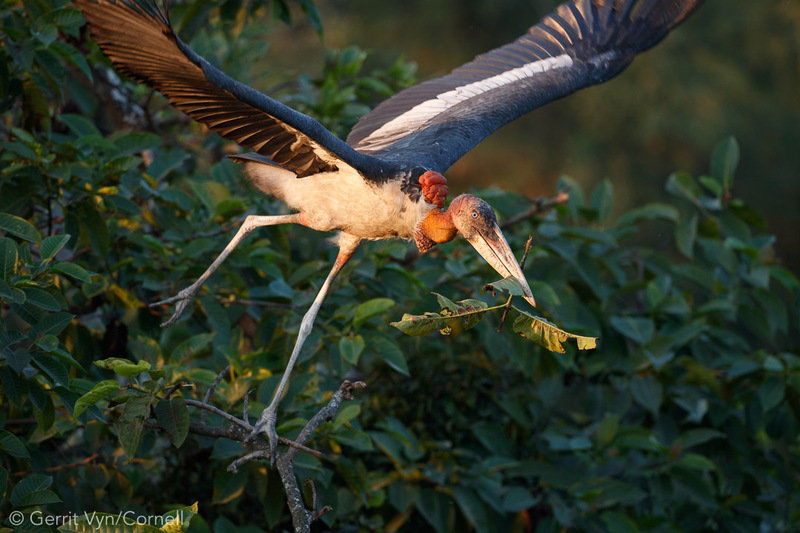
684	419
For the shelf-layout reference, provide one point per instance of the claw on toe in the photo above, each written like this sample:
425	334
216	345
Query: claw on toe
181	301
266	425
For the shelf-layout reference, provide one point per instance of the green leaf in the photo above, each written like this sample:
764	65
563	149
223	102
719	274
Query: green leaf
52	324
228	487
8	259
131	424
683	184
79	124
697	462
120	165
44	416
508	284
435	509
346	414
134	142
167	161
95	227
67	18
607	429
50	366
518	499
351	348
354	438
46	33
640	330
694	486
711	184
601	200
371	308
685	235
29	485
19	227
123	367
51	246
173	417
191	346
312	14
601	492
22	150
178	519
771	393
388	350
618	522
98	392
724	161
492	438
474	509
549	336
39	497
11	294
12	445
648	393
72	270
41	298
454	316
650	212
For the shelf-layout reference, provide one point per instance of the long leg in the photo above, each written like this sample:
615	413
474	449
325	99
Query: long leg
266	422
182	299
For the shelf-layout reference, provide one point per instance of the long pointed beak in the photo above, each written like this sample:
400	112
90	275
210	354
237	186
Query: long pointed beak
493	247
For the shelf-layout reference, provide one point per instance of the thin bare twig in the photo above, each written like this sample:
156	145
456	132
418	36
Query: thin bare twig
540	205
254	303
521	266
254	456
245	416
243	424
211	390
82	462
210	408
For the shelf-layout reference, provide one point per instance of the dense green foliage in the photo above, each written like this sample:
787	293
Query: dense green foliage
684	419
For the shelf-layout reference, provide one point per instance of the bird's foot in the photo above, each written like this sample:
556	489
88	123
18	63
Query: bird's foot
266	425
181	301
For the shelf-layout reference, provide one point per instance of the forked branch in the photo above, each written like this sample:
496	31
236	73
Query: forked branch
241	430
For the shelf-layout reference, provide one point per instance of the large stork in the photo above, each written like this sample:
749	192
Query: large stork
386	179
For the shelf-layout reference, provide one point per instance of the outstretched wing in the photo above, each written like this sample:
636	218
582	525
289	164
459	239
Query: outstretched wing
138	38
582	43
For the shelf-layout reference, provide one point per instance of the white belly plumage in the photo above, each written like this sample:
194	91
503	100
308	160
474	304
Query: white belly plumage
343	201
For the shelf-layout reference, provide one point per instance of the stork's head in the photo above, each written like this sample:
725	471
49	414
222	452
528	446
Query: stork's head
475	220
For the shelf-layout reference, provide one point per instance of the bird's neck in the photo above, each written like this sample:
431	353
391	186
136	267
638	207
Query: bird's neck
435	229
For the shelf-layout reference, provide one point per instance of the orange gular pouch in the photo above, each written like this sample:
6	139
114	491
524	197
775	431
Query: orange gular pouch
435	229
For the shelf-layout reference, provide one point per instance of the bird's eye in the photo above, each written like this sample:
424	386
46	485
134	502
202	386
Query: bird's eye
474	214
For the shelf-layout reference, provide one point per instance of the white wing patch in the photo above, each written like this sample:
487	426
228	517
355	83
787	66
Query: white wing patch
418	115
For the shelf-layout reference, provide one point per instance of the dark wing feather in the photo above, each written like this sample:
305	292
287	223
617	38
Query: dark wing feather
582	43
138	38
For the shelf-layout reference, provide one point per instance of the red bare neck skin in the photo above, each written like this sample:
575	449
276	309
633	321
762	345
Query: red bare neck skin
434	188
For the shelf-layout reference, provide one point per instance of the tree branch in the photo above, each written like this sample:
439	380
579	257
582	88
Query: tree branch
302	517
241	430
540	205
